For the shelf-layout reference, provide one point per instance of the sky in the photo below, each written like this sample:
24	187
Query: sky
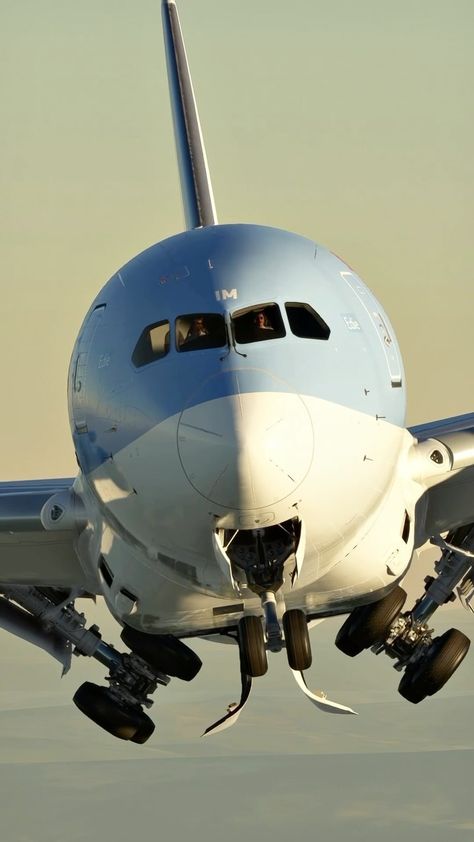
397	770
350	123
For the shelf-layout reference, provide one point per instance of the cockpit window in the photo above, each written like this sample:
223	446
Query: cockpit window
197	331
258	323
153	344
305	322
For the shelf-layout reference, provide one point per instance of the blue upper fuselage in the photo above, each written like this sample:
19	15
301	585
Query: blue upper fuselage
223	269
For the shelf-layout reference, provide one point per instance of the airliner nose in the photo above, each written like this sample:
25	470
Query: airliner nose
249	449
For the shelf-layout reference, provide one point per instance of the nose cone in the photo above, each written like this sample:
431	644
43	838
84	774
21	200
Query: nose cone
249	449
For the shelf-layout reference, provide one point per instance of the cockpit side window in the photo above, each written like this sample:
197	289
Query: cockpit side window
153	344
257	324
305	322
197	331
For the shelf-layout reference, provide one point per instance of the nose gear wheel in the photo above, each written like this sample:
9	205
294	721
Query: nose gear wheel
252	646
298	645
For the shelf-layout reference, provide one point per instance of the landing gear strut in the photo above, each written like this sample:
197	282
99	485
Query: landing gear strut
427	662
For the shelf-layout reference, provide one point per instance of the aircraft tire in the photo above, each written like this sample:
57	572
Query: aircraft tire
125	723
145	730
252	646
436	668
369	623
298	645
164	652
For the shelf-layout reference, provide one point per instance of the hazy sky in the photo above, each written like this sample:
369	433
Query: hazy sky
397	771
351	123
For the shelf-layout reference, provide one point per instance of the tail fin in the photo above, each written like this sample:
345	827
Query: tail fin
196	188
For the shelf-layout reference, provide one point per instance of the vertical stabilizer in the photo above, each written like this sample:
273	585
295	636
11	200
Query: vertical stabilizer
196	185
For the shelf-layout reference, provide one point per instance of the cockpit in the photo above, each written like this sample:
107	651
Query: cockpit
200	331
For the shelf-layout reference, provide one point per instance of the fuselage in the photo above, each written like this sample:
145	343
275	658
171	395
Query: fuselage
238	383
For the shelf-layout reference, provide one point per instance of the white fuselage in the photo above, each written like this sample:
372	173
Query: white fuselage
163	498
181	452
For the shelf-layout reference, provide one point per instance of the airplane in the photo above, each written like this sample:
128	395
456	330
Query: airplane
237	407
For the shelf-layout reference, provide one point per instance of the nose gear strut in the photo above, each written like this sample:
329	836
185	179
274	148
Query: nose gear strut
318	698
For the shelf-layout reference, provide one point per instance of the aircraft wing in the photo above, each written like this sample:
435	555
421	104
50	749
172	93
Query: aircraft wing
444	464
29	554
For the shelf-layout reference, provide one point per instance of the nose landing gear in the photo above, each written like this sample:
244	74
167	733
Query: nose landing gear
253	658
260	555
251	638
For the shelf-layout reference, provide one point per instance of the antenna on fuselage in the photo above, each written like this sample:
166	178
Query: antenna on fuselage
196	187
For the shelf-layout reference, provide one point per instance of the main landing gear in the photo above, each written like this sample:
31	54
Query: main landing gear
428	663
48	616
118	708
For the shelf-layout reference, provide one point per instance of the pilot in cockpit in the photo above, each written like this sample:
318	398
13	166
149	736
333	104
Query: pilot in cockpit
261	321
198	328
